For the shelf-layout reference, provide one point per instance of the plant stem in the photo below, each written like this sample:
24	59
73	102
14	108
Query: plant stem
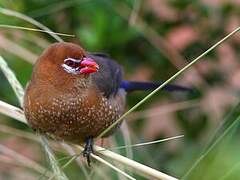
168	81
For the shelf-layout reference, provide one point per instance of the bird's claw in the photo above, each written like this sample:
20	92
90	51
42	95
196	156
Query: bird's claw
88	149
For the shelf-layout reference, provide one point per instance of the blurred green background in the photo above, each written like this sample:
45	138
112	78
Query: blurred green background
151	39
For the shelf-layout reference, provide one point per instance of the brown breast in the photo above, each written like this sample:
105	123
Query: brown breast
71	116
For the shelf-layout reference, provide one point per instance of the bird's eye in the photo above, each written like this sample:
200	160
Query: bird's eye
73	63
69	63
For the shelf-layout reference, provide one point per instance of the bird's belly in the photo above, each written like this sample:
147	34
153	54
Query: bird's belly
73	120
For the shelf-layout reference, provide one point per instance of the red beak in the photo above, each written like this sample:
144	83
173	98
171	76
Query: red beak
88	66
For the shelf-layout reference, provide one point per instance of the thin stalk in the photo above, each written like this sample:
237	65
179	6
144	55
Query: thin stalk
53	162
17	132
111	166
99	172
24	160
146	143
236	168
138	168
36	30
12	111
203	156
168	81
17	87
70	150
9	12
98	159
64	166
11	47
113	143
127	140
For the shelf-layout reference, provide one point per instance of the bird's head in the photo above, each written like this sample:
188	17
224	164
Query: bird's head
63	63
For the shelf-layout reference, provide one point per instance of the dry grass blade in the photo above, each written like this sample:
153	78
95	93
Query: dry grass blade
26	162
113	142
99	172
17	87
12	111
53	162
36	30
9	12
20	133
146	143
164	109
98	159
134	14
127	139
137	167
13	48
111	166
70	150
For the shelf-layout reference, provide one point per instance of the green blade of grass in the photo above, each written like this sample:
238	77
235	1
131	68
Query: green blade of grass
234	169
72	153
9	12
146	143
58	172
12	111
17	87
210	149
228	120
112	166
168	81
33	29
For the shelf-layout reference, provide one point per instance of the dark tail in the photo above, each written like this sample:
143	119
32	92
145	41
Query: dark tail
130	86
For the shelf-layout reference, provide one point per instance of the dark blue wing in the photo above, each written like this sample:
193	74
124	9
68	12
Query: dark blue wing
130	86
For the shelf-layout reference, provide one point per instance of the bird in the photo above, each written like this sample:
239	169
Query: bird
74	95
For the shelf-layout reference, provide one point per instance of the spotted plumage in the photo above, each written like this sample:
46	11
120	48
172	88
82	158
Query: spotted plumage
72	107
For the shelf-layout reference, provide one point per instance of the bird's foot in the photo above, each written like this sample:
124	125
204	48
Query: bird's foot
88	149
